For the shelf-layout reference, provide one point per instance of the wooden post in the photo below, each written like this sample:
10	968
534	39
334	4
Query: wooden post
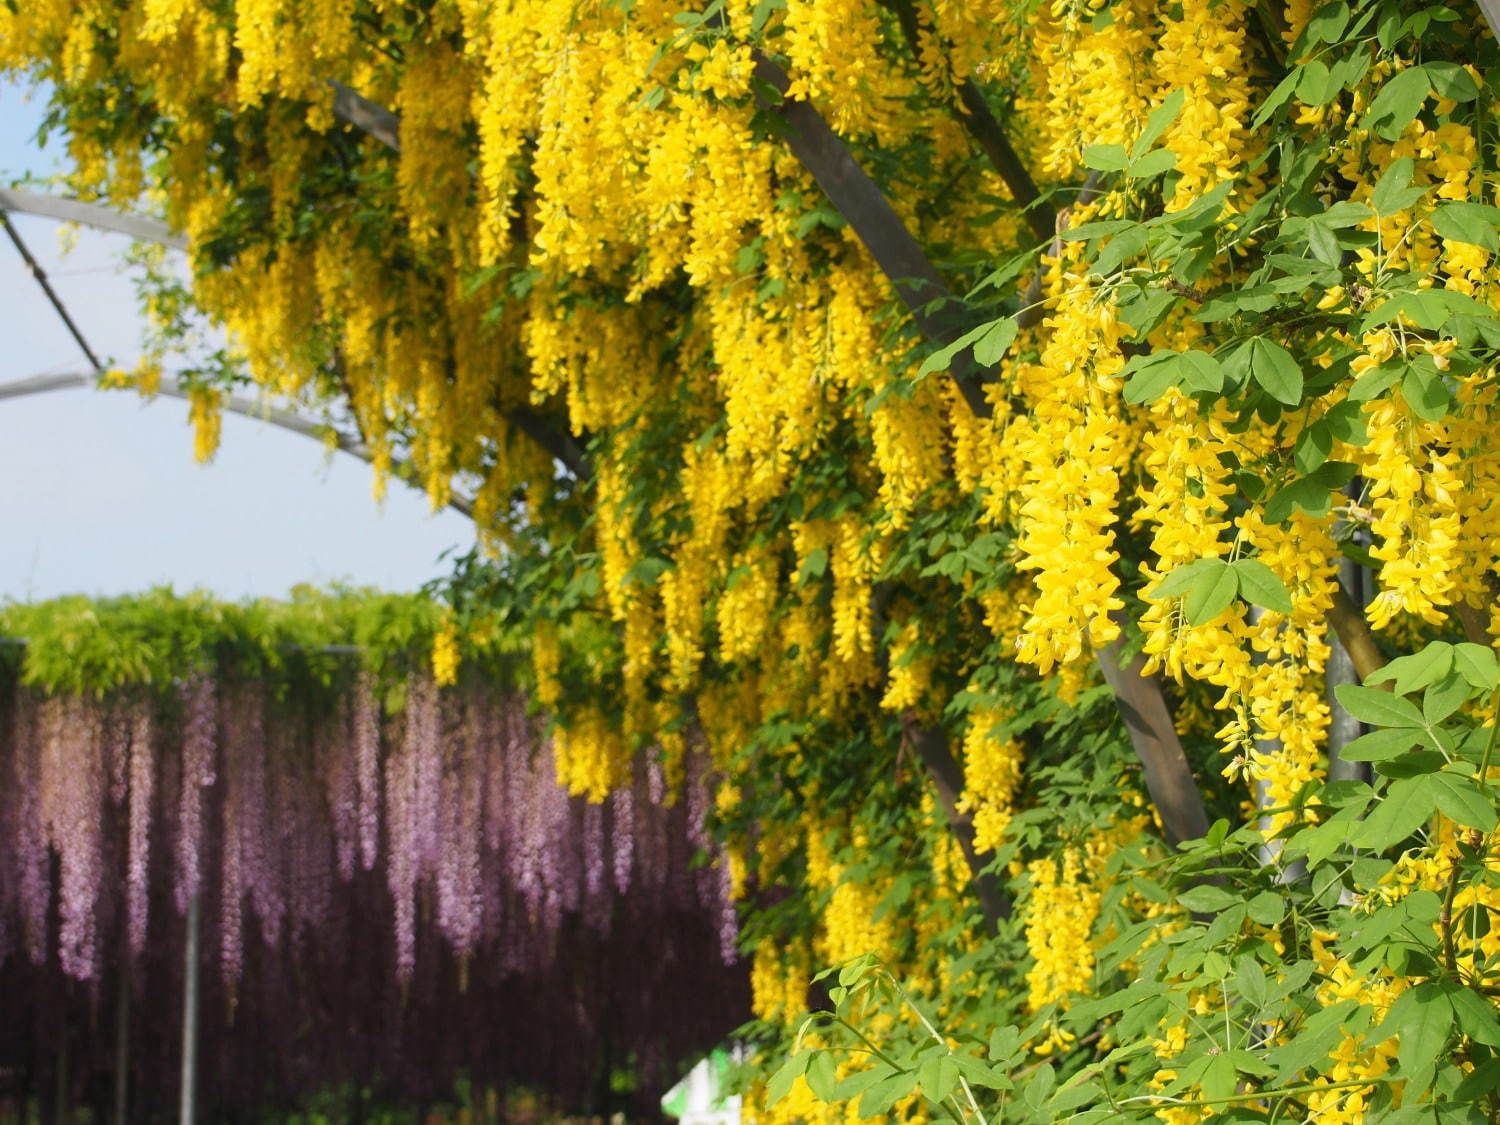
1344	728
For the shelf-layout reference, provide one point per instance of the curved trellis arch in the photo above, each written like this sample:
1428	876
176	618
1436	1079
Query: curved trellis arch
23	201
44	205
235	404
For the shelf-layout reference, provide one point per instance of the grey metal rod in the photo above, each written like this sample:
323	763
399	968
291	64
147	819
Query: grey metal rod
190	964
235	404
41	279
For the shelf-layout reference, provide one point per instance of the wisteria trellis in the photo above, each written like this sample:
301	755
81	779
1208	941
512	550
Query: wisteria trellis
292	816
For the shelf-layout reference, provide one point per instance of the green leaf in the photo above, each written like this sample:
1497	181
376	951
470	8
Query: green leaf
1414	763
813	567
1259	585
1444	697
1202	373
1004	1041
1276	371
1314	1039
1378	708
1070	1096
942	359
788	1073
1484	1079
1392	193
1379	745
820	1075
1475	223
1476	1016
995	342
1431	309
1313	85
1313	446
1327	24
1417	670
1275	99
1345	213
1346	422
879	1098
937	1077
1451	81
1250	980
979	1073
1375	382
1100	228
853	1085
1182	578
1157	122
1106	158
1152	164
1268	908
1421	1017
1313	493
1211	593
1039	1089
1122	247
1324	244
1461	800
1404	808
1426	393
1151	377
1219	1077
1395	106
1477	665
1207	899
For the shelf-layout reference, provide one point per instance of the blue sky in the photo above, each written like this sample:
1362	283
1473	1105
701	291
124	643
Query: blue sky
99	492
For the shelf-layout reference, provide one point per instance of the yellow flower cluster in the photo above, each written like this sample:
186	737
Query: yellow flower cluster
1093	87
1072	445
591	756
1200	53
1414	494
445	653
992	777
1059	920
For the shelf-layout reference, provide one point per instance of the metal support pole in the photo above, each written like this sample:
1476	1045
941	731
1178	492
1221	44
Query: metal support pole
190	960
41	279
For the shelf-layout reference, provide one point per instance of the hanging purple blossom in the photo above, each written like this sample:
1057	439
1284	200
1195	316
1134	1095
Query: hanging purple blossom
493	879
142	787
33	880
199	731
622	835
367	766
72	791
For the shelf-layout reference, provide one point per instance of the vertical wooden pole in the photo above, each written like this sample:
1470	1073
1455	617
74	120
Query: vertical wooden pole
190	961
60	1104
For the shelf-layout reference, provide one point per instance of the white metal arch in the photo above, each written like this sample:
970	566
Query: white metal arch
235	404
23	201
